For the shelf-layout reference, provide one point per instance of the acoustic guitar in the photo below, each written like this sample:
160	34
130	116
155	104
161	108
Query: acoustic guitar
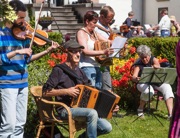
124	28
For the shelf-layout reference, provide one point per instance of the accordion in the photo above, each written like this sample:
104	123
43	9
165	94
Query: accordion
102	101
102	59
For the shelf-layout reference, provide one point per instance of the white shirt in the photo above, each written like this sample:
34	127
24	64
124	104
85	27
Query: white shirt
165	23
101	32
88	61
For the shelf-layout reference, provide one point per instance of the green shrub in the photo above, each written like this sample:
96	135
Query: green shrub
164	47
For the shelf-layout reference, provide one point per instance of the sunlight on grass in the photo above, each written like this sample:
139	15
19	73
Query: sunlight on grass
149	127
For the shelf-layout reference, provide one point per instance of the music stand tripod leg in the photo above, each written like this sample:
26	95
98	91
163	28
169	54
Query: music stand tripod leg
149	96
137	118
149	108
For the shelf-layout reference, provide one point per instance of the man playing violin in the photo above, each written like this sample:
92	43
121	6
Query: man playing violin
63	86
14	56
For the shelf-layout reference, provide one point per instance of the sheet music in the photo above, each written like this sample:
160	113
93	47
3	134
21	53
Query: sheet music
147	26
117	45
158	76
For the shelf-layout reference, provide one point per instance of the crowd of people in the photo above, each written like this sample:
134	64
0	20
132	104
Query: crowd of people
81	60
167	26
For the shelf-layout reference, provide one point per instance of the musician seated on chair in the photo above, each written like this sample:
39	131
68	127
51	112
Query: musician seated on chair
147	60
62	85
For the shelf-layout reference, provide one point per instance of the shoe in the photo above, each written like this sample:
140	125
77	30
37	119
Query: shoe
140	112
169	117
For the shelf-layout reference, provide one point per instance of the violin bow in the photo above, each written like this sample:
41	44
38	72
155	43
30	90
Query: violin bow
36	24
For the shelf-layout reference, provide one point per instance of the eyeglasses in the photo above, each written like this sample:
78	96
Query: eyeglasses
109	18
75	51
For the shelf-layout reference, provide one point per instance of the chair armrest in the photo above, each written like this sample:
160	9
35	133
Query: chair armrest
57	104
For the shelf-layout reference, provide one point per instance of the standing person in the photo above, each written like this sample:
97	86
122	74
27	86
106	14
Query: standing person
14	57
174	130
105	19
175	28
61	85
147	60
164	24
87	36
129	23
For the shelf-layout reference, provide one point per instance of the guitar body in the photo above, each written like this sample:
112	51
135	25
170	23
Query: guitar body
124	28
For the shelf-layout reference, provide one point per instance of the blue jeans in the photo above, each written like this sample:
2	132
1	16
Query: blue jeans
165	33
95	126
13	111
106	79
94	75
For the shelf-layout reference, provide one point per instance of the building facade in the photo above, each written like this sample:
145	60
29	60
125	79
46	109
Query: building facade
146	11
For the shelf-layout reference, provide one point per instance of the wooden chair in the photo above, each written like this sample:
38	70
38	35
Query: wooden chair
48	115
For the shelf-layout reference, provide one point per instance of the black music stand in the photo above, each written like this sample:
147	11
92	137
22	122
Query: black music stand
153	76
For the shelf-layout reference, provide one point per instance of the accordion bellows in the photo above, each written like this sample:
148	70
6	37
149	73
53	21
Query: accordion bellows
102	101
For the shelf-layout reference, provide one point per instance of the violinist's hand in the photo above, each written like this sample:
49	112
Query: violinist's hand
53	46
108	51
27	51
73	91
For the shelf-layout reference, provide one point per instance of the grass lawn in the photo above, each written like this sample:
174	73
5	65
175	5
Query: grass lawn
149	127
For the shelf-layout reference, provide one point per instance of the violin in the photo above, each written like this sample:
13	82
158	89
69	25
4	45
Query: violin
26	31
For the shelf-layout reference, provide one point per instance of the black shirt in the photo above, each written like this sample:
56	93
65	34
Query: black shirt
141	65
60	79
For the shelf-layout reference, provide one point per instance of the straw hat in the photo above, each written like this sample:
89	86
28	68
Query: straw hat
172	18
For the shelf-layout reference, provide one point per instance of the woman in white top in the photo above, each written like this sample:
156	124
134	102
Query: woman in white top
87	36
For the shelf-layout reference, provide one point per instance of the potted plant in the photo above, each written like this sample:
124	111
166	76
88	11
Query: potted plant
7	14
45	21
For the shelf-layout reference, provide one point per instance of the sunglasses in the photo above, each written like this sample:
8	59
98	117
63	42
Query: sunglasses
94	15
75	51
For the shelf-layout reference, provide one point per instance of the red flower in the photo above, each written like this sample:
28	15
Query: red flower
51	63
63	58
117	68
59	56
123	82
163	60
132	50
53	55
115	83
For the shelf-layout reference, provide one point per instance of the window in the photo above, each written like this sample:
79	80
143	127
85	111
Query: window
159	14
